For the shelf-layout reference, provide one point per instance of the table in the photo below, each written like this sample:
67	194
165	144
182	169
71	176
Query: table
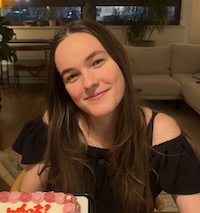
30	41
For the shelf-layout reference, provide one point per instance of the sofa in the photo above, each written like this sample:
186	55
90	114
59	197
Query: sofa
167	72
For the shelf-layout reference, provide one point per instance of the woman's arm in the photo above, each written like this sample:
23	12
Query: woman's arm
188	203
33	180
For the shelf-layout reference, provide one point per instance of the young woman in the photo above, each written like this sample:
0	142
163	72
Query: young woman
96	137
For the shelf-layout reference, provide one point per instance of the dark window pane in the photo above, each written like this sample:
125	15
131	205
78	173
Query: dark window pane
68	13
121	14
17	15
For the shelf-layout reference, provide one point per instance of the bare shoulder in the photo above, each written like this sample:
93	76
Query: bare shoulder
32	181
45	117
165	129
147	113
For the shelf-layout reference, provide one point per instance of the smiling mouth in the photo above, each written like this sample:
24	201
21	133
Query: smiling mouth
96	96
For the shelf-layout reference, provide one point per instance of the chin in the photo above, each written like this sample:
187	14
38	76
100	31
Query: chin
100	113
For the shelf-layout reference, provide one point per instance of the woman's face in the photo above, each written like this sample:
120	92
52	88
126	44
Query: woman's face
91	77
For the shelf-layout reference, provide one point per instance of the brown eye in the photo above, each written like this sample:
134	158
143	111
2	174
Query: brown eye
71	78
98	62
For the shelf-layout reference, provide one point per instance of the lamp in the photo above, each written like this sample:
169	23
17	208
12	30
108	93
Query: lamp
0	3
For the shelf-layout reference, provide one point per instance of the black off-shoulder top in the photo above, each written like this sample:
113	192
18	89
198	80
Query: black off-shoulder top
178	168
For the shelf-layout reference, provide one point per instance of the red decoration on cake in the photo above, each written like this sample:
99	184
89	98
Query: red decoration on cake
37	197
4	197
69	198
25	196
59	198
14	197
49	197
38	202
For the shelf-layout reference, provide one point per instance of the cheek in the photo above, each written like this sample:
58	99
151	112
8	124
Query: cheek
74	91
119	81
118	77
121	85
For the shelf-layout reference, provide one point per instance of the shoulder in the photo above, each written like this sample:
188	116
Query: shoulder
45	118
35	175
32	126
165	127
31	141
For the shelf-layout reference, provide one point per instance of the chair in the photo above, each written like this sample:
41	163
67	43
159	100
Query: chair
17	183
16	186
159	203
4	70
34	64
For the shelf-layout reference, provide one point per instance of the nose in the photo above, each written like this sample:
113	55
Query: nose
90	80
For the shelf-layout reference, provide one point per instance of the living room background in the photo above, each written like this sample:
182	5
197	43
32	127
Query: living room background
188	31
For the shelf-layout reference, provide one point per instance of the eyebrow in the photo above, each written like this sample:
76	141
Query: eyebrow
89	57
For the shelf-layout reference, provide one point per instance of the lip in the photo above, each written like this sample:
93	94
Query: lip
96	96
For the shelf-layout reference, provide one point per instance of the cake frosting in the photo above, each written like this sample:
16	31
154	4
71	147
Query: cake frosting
42	202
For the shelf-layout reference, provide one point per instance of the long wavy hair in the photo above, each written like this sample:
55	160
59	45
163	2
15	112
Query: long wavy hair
66	154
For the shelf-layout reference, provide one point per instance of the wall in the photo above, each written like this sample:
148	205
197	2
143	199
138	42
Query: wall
171	33
194	36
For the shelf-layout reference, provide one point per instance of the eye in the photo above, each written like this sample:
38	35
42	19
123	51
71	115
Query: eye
98	62
71	78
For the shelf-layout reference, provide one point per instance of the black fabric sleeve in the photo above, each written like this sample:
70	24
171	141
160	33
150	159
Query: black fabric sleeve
178	166
31	142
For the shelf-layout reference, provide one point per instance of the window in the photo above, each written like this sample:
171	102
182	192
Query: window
17	15
121	14
108	12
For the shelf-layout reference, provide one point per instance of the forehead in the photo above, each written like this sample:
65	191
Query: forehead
75	48
79	41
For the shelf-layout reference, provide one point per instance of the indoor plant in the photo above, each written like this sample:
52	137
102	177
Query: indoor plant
62	20
145	20
52	16
41	20
6	52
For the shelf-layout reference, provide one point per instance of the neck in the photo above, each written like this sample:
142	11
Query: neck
99	132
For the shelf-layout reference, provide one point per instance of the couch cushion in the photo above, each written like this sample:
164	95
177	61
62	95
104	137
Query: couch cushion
196	76
157	85
185	58
183	78
191	94
149	60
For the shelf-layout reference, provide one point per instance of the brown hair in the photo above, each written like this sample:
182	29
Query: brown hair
128	159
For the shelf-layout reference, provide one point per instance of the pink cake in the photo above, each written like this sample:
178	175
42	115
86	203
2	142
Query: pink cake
41	202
